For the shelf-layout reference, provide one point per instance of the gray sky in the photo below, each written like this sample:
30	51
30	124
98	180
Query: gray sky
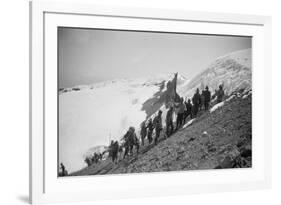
89	55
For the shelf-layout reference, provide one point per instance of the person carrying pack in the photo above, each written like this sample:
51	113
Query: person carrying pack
136	142
196	101
115	149
220	94
188	112
202	100
157	122
169	121
180	115
150	128
126	144
143	132
207	98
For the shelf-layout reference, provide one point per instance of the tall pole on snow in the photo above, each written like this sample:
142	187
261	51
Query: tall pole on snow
175	85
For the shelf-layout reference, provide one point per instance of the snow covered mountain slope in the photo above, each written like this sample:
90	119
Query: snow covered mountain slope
232	70
93	115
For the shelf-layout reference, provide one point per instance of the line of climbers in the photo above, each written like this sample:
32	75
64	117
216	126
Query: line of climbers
182	110
89	160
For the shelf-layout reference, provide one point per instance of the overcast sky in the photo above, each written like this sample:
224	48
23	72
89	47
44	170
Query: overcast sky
88	55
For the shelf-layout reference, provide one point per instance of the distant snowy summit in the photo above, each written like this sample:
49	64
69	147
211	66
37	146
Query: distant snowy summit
233	71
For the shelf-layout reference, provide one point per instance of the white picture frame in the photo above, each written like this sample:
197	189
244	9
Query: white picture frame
46	187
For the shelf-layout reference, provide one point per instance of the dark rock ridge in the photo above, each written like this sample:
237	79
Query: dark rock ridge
167	93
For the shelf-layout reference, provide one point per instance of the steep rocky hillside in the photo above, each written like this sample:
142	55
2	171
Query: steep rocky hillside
221	139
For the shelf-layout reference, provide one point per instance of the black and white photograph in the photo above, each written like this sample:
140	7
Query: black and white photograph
147	101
